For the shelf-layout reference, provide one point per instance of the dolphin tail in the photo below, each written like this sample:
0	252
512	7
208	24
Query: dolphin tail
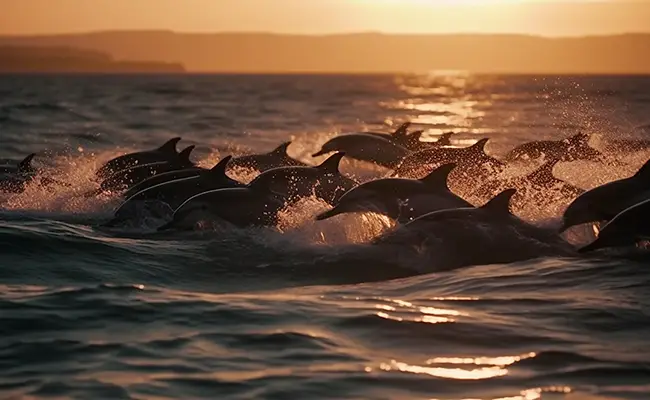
169	146
501	202
331	165
26	164
439	176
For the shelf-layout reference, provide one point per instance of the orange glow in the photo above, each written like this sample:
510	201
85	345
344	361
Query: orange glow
364	36
328	16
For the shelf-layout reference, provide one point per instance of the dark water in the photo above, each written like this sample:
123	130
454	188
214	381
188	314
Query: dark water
308	309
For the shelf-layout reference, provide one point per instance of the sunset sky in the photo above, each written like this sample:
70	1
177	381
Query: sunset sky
548	17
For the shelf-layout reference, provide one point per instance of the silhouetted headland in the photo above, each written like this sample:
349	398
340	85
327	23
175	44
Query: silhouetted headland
363	52
14	59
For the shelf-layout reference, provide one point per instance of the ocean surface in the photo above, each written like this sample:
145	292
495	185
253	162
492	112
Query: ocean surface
307	310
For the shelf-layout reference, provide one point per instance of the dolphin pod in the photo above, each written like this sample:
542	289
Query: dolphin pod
194	195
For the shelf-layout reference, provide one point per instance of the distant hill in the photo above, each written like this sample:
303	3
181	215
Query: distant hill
40	59
365	52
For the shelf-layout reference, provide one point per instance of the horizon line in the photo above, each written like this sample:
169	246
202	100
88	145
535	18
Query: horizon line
325	34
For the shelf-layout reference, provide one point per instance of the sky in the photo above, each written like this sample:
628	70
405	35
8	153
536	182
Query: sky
537	17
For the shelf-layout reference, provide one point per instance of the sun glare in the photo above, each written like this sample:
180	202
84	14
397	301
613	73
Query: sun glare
445	2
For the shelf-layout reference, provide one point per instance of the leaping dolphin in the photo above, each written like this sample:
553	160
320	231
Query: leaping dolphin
131	176
400	199
626	228
466	157
276	158
605	202
324	181
368	148
571	149
176	192
166	152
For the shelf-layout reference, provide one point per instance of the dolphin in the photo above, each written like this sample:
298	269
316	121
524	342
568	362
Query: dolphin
278	157
400	199
176	192
402	137
541	179
22	167
365	147
605	202
131	176
626	228
397	136
489	234
242	207
571	149
466	157
164	178
166	152
324	181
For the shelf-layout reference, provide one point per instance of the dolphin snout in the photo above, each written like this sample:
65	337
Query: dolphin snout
319	153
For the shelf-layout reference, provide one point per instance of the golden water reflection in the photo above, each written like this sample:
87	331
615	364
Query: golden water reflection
500	361
402	310
449	373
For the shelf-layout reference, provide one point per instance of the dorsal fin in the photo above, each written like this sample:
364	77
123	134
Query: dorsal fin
415	136
281	149
438	177
169	146
644	172
479	147
184	155
220	168
26	164
445	139
331	165
402	130
501	202
544	173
